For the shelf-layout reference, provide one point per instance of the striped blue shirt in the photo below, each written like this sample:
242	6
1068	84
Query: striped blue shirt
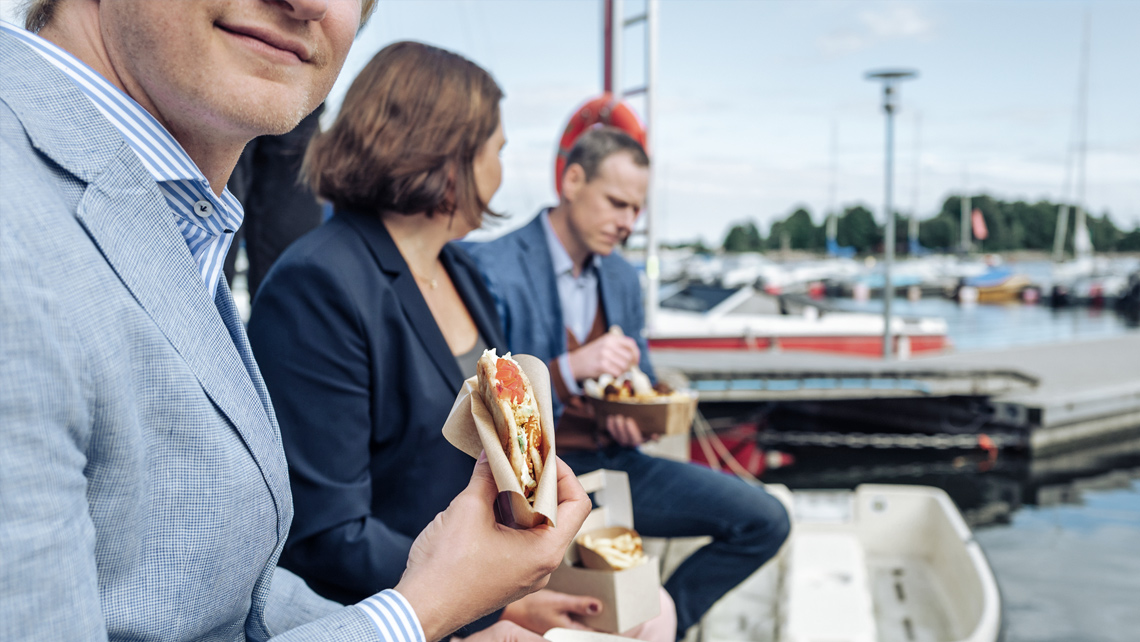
207	221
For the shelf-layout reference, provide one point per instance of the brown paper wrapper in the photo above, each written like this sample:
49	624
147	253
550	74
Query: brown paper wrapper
471	429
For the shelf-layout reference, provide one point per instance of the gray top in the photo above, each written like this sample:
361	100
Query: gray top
468	359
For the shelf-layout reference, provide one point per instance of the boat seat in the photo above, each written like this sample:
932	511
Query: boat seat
827	569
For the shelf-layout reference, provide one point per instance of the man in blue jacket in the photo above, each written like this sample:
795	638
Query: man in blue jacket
560	290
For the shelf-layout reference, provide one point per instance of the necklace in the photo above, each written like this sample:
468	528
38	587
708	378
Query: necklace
431	282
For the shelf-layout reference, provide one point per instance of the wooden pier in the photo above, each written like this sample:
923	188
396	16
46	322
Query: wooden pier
1056	394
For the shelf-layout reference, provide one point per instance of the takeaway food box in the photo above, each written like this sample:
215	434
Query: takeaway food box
629	597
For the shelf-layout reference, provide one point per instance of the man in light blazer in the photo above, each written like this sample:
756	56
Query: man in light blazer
143	488
560	288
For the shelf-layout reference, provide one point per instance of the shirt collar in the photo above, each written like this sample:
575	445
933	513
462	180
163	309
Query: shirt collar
563	264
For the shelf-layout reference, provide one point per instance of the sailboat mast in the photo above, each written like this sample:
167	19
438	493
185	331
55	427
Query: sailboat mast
1083	142
832	213
912	228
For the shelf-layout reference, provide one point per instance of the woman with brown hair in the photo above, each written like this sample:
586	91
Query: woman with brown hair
366	327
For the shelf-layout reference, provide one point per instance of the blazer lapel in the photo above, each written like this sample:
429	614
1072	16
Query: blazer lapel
535	260
611	297
136	233
481	307
404	284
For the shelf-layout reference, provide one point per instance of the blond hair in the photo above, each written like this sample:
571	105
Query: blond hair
38	13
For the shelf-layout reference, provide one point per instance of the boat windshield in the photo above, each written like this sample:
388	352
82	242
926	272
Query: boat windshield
697	298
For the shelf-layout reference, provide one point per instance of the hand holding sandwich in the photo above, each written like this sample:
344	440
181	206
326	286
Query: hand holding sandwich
465	565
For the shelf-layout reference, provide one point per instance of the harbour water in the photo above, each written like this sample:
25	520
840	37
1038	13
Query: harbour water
1062	533
988	327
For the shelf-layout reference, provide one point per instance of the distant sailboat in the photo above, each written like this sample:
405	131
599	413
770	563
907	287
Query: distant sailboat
1078	158
1086	278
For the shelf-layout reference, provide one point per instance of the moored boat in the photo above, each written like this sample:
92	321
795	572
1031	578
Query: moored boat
711	318
877	564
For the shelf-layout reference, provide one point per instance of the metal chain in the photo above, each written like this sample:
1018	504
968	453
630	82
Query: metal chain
884	440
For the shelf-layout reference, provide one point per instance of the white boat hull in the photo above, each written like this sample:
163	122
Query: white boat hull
881	563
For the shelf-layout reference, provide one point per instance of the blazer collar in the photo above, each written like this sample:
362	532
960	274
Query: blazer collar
130	222
52	111
403	282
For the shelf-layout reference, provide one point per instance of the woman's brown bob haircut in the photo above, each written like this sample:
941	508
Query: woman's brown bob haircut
407	134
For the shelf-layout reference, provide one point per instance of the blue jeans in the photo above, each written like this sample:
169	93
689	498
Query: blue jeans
674	499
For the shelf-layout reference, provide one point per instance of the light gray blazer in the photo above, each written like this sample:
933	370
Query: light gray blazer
143	488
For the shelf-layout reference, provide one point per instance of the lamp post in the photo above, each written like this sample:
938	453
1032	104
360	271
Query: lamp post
889	78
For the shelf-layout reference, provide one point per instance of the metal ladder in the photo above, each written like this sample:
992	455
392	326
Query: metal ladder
616	23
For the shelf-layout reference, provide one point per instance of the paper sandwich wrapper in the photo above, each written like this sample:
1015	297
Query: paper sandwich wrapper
471	429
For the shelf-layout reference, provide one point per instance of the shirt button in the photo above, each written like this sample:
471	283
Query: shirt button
204	209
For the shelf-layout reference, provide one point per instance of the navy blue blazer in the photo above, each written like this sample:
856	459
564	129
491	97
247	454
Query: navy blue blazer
519	271
362	381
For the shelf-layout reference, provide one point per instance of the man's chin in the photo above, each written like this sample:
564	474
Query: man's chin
268	112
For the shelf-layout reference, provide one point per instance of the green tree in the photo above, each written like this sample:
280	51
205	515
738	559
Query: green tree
802	231
743	237
857	228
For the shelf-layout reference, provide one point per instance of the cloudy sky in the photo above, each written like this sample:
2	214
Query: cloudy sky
752	93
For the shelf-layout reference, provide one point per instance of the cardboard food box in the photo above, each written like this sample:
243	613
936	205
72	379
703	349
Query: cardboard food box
668	416
628	597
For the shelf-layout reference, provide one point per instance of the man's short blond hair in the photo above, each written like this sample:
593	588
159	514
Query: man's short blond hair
38	13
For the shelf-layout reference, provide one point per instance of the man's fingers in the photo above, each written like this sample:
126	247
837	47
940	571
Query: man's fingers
634	431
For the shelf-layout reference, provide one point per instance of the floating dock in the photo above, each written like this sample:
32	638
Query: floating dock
1056	395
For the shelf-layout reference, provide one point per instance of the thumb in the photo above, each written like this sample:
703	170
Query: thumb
580	604
482	482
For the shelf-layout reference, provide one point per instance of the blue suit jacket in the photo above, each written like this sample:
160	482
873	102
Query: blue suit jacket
143	488
519	271
362	380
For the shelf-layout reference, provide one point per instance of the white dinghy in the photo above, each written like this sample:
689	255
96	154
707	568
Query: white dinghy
882	563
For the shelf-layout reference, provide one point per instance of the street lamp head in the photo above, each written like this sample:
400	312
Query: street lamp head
891	75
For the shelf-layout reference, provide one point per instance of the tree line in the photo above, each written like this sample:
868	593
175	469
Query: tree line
1013	225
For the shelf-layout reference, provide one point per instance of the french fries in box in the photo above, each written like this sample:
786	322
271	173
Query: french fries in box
616	548
630	596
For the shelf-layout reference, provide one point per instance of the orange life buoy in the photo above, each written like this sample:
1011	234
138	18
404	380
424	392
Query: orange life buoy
605	110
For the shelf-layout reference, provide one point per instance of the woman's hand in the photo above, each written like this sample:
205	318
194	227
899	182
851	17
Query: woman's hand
547	610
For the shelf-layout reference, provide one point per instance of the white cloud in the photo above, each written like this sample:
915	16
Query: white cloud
893	21
896	21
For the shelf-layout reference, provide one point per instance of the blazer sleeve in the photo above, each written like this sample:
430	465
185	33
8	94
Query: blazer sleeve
49	586
313	350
